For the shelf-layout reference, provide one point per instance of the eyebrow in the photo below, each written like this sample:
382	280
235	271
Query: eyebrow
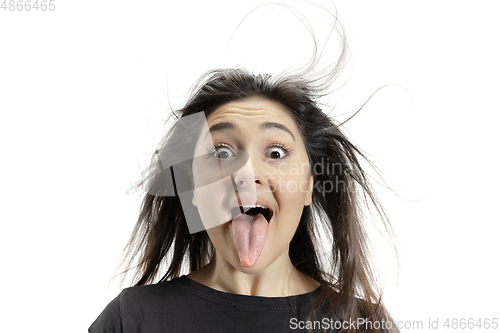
267	125
219	127
273	125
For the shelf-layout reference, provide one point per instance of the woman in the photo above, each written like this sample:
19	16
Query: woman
259	194
270	170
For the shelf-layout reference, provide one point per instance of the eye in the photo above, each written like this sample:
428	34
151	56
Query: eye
277	152
222	152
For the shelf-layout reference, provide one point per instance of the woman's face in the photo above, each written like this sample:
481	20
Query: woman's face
271	189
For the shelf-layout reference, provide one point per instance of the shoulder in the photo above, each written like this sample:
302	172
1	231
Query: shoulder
164	295
134	303
109	321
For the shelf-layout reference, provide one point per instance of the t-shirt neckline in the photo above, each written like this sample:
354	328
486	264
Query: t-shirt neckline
245	301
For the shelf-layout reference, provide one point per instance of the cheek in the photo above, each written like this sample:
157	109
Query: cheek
290	192
293	189
217	235
212	201
218	238
290	183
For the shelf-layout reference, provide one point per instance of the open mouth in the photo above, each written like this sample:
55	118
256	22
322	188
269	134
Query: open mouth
252	210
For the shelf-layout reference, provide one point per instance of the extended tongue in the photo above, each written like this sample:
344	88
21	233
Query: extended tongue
249	234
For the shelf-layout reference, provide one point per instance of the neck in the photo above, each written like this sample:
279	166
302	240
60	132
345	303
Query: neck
279	279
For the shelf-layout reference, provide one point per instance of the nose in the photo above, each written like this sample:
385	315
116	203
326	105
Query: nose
250	174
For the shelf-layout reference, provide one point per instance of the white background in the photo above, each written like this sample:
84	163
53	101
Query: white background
83	100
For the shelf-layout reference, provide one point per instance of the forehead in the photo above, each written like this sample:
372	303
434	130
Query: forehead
254	108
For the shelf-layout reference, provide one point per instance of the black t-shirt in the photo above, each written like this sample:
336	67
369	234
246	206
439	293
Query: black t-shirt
184	305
